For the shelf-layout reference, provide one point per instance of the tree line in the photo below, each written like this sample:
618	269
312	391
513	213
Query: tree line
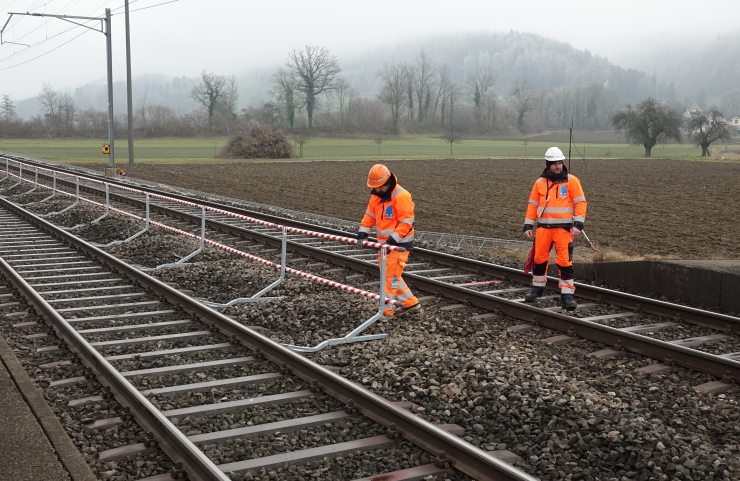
310	95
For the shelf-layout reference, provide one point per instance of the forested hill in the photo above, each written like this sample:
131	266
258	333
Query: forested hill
712	66
545	63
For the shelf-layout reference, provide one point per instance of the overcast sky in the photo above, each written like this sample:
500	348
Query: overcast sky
183	37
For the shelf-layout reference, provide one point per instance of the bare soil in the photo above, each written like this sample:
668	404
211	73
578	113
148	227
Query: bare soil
645	208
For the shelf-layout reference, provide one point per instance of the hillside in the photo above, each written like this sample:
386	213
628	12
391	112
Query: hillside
544	62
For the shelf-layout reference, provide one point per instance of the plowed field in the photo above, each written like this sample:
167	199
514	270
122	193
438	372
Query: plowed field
673	209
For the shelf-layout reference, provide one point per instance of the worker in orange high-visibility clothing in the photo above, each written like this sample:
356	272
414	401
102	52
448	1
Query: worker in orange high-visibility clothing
558	206
391	211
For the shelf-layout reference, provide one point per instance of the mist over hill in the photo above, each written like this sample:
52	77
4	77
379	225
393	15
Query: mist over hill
545	63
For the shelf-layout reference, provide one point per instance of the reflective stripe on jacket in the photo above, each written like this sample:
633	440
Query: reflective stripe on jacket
394	217
566	203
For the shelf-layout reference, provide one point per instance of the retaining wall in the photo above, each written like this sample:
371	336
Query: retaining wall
700	286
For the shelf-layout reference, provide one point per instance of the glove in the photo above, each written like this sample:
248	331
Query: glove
391	241
361	236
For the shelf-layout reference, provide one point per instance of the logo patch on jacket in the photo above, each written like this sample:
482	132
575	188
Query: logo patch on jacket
389	212
563	191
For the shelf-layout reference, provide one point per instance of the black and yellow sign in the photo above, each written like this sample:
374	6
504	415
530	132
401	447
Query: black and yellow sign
106	149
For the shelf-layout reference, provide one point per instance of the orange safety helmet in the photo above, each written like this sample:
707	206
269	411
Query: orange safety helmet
378	175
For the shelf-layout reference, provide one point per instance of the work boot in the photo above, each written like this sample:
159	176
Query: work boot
534	294
406	310
568	302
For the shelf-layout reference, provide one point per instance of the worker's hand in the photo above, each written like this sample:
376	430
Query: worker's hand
528	233
575	231
361	237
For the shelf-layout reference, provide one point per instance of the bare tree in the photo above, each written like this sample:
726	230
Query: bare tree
423	81
315	71
227	103
342	91
523	99
477	83
209	92
300	138
707	126
49	99
453	135
378	138
141	111
67	111
452	96
490	104
443	86
353	99
8	108
409	80
285	94
393	93
649	124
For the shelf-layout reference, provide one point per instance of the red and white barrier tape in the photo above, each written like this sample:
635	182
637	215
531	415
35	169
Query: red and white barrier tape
312	277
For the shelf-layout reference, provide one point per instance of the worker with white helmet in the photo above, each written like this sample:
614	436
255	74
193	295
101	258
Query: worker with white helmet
558	206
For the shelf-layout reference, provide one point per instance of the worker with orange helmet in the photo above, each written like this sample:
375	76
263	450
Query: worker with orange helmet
391	211
558	205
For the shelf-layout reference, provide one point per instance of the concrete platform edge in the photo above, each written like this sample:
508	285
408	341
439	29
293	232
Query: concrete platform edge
68	454
701	286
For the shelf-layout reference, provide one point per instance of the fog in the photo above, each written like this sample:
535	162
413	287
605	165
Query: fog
231	37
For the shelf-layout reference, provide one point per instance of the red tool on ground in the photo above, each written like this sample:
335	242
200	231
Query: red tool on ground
589	241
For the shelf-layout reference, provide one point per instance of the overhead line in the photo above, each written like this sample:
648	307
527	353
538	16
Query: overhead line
45	53
23	52
62	10
151	6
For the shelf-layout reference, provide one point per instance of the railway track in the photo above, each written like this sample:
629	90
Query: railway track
108	314
649	323
623	321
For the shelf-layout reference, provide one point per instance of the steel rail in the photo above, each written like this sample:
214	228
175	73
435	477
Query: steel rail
669	310
463	456
690	358
172	441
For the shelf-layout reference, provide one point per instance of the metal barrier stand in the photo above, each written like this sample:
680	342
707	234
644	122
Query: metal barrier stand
77	200
20	179
258	297
353	336
107	211
146	228
35	185
7	171
53	191
183	261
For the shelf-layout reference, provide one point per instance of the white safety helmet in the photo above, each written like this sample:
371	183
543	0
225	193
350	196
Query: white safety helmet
554	154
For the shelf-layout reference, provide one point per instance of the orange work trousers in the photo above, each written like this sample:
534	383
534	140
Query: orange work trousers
544	240
395	288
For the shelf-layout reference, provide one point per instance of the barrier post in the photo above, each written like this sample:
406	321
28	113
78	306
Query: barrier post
146	228
53	191
20	178
258	297
353	336
77	201
183	262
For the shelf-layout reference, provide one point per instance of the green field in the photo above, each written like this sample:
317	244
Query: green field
176	150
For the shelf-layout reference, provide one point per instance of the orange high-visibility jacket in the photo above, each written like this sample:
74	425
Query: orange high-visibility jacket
391	218
563	206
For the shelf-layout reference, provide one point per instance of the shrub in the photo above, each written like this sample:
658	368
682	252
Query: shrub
259	143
